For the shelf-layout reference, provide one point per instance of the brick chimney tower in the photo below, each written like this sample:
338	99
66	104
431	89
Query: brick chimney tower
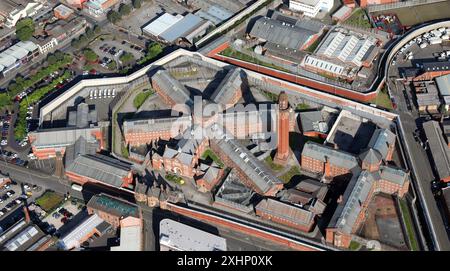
27	214
283	150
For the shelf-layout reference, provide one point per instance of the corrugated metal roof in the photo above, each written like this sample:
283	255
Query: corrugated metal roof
62	137
162	23
286	35
180	28
101	168
73	238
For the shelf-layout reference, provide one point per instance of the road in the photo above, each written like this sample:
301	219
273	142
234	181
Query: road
420	167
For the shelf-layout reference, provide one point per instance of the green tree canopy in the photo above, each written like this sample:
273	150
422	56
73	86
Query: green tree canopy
90	55
113	16
25	29
137	3
124	9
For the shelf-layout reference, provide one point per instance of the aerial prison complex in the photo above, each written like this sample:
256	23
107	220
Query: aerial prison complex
176	146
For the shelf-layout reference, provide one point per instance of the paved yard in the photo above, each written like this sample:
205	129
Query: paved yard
56	221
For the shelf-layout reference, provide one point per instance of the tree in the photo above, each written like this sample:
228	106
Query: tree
97	29
124	9
137	3
126	58
113	16
90	55
83	39
51	59
154	49
89	33
59	55
75	43
25	29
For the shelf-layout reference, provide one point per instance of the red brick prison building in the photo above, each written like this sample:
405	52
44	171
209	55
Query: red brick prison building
144	131
181	159
325	160
383	141
352	210
99	168
286	214
230	89
170	90
111	209
82	123
208	177
427	71
250	170
246	122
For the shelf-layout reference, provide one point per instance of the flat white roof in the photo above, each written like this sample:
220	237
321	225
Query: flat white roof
130	239
186	238
162	23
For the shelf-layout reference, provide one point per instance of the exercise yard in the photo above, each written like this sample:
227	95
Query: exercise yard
410	16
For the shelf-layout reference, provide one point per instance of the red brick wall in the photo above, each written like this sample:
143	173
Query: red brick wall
234	226
301	227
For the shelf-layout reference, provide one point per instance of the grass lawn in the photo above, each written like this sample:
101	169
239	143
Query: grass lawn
302	106
230	52
383	100
358	19
354	245
49	200
293	171
175	179
407	220
210	155
271	164
141	97
269	95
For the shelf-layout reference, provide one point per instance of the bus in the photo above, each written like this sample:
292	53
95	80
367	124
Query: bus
77	187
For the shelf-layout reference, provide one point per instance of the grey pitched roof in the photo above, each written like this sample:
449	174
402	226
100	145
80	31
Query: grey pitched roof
394	175
336	157
287	35
371	156
101	168
316	188
172	87
256	171
80	147
233	193
53	138
381	140
211	174
355	195
228	87
313	121
285	211
438	147
295	196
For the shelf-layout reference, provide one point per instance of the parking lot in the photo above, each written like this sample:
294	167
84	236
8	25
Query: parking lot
11	196
63	214
111	50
